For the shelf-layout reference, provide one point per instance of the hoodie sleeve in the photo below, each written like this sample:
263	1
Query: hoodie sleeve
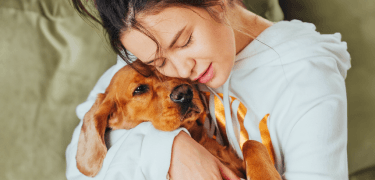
315	146
315	136
141	153
300	82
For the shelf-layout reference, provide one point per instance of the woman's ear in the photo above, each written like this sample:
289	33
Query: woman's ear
91	144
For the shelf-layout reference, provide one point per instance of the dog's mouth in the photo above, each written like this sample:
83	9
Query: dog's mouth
190	112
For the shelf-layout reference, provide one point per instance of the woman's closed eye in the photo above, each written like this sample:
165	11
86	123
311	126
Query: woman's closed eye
160	62
189	42
163	60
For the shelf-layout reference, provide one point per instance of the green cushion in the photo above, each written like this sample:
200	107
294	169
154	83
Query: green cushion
269	9
364	174
50	59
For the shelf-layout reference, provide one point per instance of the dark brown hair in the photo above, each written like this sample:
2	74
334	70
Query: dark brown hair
118	16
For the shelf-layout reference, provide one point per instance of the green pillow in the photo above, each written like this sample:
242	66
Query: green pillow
269	9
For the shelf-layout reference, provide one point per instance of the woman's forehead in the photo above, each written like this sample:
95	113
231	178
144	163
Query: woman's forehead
139	45
163	26
167	23
170	15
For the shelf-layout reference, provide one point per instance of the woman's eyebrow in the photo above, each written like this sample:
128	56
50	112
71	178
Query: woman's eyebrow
175	38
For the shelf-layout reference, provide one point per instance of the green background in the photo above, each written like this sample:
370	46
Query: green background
50	59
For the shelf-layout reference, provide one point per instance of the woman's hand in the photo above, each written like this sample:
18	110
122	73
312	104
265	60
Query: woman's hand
191	161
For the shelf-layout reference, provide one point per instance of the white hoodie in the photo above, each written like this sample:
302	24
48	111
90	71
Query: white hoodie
298	78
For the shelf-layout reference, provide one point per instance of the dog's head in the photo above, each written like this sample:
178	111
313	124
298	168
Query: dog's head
131	99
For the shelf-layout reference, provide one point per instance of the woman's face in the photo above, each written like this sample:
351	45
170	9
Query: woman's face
194	45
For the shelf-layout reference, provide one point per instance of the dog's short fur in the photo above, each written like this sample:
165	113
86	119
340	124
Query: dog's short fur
168	103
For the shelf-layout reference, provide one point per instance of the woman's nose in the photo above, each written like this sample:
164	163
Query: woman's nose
184	66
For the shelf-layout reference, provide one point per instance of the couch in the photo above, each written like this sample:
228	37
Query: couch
50	59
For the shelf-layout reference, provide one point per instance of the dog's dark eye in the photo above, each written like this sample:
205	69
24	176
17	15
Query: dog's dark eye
140	89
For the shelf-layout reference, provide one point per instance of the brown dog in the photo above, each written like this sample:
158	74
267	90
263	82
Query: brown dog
168	103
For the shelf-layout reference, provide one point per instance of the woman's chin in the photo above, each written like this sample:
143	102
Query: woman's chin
214	83
218	79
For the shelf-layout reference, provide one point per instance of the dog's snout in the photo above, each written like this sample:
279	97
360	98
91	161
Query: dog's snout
182	94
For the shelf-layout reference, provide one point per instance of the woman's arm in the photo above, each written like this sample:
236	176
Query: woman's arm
144	152
190	160
315	145
71	151
149	155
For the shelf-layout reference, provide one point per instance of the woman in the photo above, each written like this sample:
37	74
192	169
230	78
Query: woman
284	73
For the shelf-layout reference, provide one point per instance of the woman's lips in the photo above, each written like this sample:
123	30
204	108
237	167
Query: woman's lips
207	75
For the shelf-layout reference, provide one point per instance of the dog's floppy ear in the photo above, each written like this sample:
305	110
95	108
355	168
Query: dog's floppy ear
91	145
144	69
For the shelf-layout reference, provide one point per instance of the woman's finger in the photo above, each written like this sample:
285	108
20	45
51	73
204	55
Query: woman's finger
191	161
226	173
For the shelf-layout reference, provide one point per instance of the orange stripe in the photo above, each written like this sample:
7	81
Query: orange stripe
265	136
220	117
241	112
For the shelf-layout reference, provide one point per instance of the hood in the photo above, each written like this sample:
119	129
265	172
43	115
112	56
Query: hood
282	43
293	41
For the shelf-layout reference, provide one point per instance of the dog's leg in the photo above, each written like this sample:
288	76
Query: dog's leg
258	162
226	155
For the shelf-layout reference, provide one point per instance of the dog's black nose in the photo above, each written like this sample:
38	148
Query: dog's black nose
182	94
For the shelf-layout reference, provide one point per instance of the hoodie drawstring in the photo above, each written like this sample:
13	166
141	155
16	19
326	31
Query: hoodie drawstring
232	125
